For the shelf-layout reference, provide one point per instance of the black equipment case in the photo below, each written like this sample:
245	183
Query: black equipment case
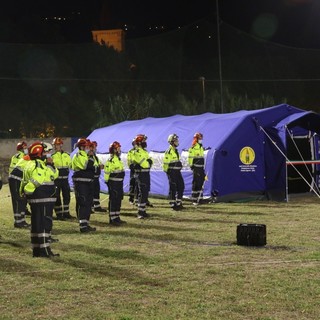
251	234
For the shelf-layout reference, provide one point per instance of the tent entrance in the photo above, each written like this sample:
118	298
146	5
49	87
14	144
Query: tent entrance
299	149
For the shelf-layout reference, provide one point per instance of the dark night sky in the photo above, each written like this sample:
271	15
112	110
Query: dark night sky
289	22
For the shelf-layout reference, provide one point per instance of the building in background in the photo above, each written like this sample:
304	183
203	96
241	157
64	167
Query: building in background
111	38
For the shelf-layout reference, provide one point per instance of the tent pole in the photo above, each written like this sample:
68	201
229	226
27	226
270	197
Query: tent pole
287	193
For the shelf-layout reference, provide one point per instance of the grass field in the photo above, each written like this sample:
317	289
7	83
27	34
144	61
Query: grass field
175	265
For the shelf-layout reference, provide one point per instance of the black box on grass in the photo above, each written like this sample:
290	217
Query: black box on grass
251	234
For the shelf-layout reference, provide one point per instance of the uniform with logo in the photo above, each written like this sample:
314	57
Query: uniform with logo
62	162
196	163
113	176
19	204
96	179
39	188
132	181
142	164
172	166
83	167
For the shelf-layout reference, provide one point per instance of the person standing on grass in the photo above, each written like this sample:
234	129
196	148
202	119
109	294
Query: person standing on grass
196	163
132	181
19	204
62	162
142	164
38	187
83	166
172	167
98	166
113	176
47	152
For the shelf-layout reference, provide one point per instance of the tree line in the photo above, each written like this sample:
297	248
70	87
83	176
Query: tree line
71	89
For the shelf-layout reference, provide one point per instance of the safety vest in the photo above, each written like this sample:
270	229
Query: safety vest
196	156
130	155
114	169
171	160
17	172
83	168
97	163
37	174
15	159
141	160
62	161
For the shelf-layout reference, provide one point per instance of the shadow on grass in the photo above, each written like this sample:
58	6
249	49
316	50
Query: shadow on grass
113	267
13	244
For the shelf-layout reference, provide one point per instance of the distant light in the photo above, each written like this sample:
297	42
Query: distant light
210	37
197	27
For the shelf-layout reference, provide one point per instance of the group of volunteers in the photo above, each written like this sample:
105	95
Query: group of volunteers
39	177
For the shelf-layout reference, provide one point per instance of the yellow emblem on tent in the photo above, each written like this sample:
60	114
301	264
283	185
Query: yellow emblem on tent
247	155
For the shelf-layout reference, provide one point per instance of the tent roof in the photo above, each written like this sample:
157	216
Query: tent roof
216	127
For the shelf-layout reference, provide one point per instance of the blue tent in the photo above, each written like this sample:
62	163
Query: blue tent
245	151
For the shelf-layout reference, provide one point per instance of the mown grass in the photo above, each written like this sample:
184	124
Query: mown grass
175	265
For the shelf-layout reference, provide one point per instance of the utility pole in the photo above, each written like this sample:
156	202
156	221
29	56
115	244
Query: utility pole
219	56
203	79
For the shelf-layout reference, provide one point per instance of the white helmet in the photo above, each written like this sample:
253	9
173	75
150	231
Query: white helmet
173	139
47	147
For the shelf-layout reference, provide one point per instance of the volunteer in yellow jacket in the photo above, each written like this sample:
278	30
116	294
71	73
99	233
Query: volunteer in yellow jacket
19	204
98	166
133	193
62	162
172	166
38	186
83	167
113	176
142	164
196	163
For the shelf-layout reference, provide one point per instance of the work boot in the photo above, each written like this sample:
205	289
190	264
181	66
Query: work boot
100	209
22	225
117	222
143	215
87	229
177	207
36	252
51	254
149	204
60	217
67	215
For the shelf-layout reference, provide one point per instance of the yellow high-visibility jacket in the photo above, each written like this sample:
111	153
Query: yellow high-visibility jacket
196	156
171	160
62	161
15	159
114	169
38	174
